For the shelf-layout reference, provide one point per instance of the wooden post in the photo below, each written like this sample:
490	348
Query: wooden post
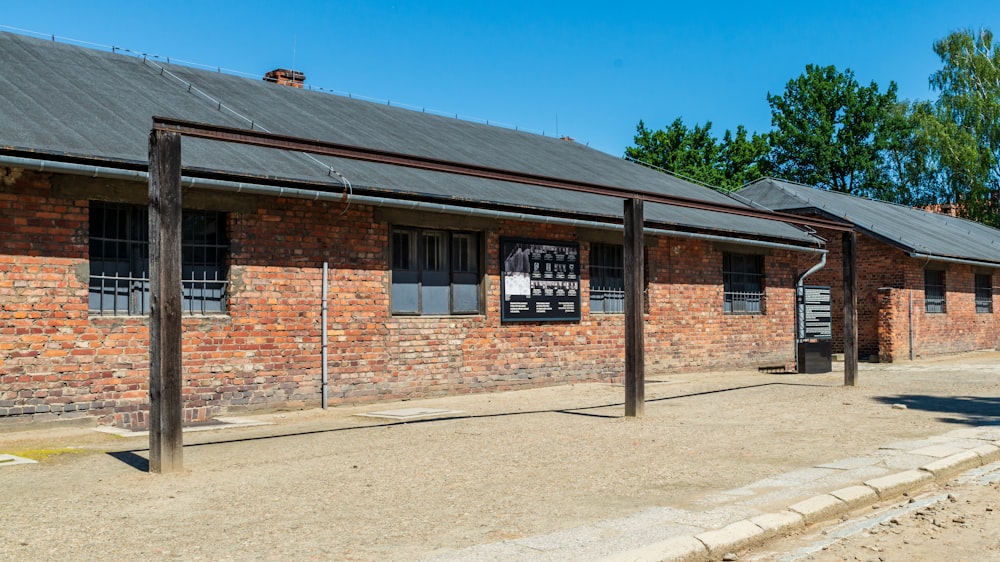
635	366
850	309
165	304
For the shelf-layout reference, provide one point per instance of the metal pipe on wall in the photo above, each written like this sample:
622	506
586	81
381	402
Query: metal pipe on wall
799	295
325	343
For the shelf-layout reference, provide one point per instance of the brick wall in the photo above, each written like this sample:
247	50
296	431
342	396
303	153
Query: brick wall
59	360
886	281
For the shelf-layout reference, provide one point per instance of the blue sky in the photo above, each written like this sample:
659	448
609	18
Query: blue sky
589	70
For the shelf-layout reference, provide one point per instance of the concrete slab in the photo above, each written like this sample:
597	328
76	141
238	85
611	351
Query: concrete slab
856	496
686	549
849	477
989	453
795	478
905	461
938	451
711	519
953	464
893	485
410	413
851	462
909	445
11	460
214	425
779	523
732	537
819	508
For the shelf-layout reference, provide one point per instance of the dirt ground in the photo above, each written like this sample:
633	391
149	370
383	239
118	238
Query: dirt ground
329	485
957	522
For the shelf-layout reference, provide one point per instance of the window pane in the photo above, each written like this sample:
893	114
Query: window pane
934	291
435	292
465	258
404	250
435	272
984	293
465	274
743	284
435	257
119	260
607	278
435	280
405	292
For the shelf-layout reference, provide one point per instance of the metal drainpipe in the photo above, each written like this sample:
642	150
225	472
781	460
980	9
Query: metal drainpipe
910	318
800	294
324	345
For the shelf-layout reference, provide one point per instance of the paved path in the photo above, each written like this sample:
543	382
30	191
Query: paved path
749	515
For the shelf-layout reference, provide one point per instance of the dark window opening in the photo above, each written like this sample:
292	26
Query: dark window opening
984	293
119	261
607	278
743	284
934	291
435	272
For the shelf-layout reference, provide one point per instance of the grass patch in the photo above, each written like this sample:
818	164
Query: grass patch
46	454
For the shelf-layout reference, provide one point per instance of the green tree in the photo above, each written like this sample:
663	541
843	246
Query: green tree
829	131
697	155
966	127
911	171
744	159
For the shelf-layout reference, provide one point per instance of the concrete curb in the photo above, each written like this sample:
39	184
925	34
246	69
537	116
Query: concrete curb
747	533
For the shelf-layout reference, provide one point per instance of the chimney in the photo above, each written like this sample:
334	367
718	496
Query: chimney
286	77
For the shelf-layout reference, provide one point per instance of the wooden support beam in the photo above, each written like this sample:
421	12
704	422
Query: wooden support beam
850	309
635	366
165	304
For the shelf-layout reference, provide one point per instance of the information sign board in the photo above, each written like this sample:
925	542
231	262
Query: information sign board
540	280
815	319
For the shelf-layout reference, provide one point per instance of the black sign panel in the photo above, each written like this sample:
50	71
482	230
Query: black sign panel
540	280
815	320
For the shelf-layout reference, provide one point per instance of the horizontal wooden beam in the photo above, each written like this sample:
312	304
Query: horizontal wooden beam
284	142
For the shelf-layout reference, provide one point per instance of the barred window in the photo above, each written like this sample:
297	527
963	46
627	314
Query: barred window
119	260
984	293
934	291
743	284
435	272
607	278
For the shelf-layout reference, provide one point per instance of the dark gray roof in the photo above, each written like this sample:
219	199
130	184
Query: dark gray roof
66	101
912	230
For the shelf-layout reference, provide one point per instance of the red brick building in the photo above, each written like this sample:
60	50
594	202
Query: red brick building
925	281
424	296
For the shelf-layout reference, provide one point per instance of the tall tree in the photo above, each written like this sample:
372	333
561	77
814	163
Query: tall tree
828	131
696	154
912	172
743	159
966	131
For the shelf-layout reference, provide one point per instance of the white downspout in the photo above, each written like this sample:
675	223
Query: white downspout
799	296
323	345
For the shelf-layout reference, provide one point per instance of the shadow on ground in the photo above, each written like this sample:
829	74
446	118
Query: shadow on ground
964	410
133	459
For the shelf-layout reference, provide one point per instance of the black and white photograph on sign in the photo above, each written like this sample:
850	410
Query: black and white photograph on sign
517	271
540	280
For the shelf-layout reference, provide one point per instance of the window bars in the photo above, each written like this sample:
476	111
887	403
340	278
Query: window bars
743	284
119	261
607	278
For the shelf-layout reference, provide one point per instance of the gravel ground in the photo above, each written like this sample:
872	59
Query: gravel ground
957	522
329	485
